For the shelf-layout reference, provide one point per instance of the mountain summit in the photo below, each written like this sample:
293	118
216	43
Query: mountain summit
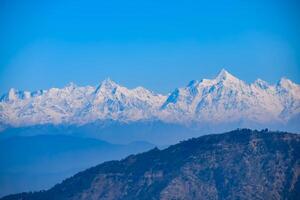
225	75
222	101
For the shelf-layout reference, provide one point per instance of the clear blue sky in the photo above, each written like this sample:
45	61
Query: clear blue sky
157	44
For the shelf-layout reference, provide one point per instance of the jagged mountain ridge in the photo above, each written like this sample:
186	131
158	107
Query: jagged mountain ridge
78	105
241	164
222	100
227	98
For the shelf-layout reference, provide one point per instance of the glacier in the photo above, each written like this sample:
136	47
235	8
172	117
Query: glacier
219	102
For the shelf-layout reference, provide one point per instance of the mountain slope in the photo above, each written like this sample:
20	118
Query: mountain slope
224	101
241	164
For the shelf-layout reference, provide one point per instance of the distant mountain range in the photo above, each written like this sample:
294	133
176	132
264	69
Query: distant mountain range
241	164
38	162
224	101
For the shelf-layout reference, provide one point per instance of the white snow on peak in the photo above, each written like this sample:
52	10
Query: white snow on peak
12	94
261	84
287	84
225	76
108	83
78	105
15	95
225	99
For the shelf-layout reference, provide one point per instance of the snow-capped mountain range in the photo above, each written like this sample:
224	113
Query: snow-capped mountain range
222	100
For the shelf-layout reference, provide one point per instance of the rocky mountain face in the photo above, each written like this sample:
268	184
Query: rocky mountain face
241	164
206	103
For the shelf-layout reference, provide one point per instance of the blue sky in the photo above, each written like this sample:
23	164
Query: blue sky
157	44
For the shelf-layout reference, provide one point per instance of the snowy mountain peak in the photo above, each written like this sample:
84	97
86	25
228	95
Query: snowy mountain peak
261	84
286	83
107	85
12	94
71	85
225	76
15	95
